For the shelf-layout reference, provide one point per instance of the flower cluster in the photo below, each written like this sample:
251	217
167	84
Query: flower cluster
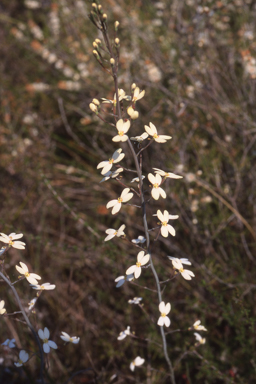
124	116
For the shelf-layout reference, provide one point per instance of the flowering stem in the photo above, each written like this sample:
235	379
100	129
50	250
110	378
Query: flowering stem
28	324
145	223
143	203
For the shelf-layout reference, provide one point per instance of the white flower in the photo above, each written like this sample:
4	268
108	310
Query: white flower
2	309
139	240
182	260
199	338
107	164
10	240
44	287
142	259
121	96
112	233
137	180
23	358
198	327
44	335
135	300
120	280
136	363
9	343
32	303
164	310
166	228
112	175
122	128
186	274
152	131
167	174
140	138
137	94
126	195
69	339
156	190
123	334
31	277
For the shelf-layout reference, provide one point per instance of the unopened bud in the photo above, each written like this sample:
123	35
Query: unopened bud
112	61
93	107
116	25
117	41
94	5
104	16
95	45
96	101
98	41
132	113
95	53
99	7
133	86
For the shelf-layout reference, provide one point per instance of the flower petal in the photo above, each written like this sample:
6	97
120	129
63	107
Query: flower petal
137	272
160	321
52	344
145	259
131	270
46	347
116	208
167	321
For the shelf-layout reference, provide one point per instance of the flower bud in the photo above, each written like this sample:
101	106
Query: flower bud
98	41
112	61
117	41
104	16
95	45
94	5
116	25
133	86
96	101
93	107
132	113
96	54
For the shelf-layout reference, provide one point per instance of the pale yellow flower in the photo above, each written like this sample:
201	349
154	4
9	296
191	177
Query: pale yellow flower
122	127
152	131
156	191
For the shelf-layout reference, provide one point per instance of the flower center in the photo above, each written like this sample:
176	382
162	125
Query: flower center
164	223
138	264
45	341
119	199
163	314
156	185
111	161
26	274
121	133
155	136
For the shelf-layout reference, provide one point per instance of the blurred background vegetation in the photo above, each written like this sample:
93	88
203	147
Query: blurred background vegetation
197	62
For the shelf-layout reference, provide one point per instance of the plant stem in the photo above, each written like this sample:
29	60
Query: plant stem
143	203
28	324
